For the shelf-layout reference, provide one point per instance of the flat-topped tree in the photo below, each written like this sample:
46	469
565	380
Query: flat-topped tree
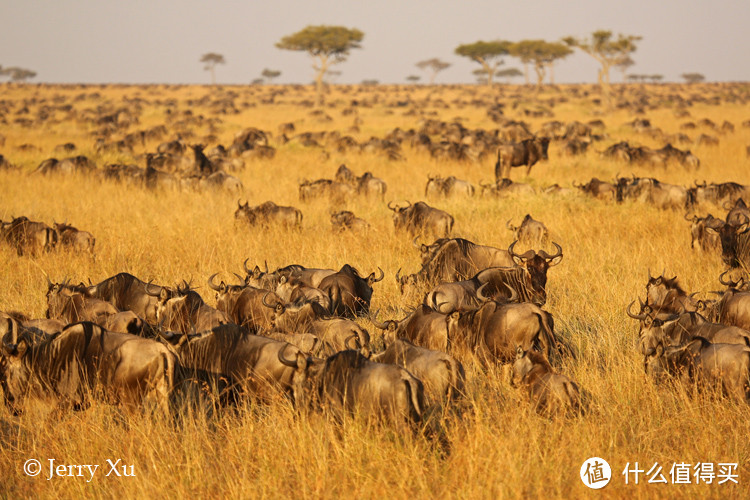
541	54
17	74
434	65
693	77
488	54
210	60
270	74
608	51
328	45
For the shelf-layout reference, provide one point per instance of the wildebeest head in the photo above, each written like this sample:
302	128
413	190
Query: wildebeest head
257	278
527	362
14	373
408	283
536	263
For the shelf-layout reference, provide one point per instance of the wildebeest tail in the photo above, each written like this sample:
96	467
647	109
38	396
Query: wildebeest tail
456	373
415	395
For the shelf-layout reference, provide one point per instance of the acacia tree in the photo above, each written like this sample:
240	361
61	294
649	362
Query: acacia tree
487	54
270	74
210	60
327	45
607	51
509	73
435	65
541	54
693	77
17	74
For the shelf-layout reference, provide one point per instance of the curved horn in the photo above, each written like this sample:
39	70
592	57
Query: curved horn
480	295
244	264
356	342
548	257
390	207
242	280
398	278
414	242
374	320
284	360
639	317
272	306
211	283
730	283
407	206
382	275
513	293
510	250
509	226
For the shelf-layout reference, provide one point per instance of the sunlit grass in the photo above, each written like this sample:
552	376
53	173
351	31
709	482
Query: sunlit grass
499	448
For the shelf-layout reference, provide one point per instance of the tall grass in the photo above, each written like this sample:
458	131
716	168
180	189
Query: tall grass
498	448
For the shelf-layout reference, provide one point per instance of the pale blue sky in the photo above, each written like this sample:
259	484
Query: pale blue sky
146	41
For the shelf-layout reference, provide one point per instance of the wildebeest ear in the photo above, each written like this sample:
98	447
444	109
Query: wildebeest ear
164	294
256	272
282	280
660	350
222	287
647	321
302	361
744	227
454	315
21	348
519	352
279	308
555	261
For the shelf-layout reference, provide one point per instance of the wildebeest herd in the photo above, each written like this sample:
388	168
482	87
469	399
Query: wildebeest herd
304	333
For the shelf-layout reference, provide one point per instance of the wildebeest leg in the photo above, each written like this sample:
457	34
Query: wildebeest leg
528	169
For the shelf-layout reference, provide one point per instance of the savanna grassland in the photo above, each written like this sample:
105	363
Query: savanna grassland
499	448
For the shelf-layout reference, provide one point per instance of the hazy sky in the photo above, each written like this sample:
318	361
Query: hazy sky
147	41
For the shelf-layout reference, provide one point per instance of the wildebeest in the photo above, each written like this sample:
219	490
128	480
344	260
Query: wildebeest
550	393
241	363
83	359
366	184
128	293
530	232
348	382
505	186
442	375
29	236
494	331
501	284
706	241
74	238
454	259
599	189
185	311
268	214
446	187
734	306
654	192
423	326
243	305
665	295
338	333
678	329
336	192
347	221
718	194
723	366
348	292
420	218
526	153
293	290
735	236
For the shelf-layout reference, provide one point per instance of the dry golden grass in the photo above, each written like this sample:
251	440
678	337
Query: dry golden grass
499	449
